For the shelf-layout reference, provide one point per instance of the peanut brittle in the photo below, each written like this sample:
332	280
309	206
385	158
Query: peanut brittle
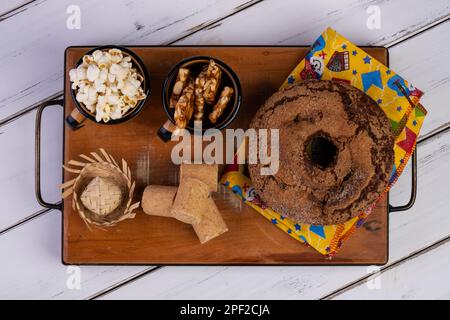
225	97
199	99
185	106
212	83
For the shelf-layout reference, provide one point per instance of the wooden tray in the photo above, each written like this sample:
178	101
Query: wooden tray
251	239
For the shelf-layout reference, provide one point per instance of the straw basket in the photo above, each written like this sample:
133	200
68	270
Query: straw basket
102	191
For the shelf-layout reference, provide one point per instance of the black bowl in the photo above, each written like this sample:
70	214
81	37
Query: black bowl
139	65
229	78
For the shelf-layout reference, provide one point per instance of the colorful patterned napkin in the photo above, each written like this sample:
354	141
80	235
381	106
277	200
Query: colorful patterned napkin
333	57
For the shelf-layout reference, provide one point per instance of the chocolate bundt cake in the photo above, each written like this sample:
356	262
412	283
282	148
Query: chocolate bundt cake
336	152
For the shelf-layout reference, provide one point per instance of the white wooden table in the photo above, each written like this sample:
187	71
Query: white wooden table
33	36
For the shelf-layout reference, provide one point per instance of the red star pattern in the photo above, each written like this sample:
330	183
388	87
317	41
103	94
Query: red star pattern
408	143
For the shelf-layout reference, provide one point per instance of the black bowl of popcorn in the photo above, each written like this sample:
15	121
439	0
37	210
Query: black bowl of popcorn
109	85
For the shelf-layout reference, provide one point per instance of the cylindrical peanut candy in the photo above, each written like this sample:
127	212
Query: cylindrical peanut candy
158	200
206	173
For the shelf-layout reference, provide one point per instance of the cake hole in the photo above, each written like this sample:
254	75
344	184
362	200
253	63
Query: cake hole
321	151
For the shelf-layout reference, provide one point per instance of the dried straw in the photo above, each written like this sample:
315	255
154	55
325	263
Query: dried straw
102	191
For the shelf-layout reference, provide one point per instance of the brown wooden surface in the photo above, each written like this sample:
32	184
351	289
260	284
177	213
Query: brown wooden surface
251	239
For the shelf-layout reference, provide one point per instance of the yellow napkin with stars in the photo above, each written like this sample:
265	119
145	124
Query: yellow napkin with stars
333	57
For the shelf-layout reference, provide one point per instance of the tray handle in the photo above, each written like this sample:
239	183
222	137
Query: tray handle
37	180
166	130
413	195
75	119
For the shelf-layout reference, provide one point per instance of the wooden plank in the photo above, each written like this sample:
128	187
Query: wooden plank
409	231
425	60
7	6
43	36
426	276
291	22
31	265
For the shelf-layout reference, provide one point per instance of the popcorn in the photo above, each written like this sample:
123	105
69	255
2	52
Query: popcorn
121	72
92	95
97	55
116	55
107	84
129	88
81	97
99	86
111	78
90	107
116	113
92	72
87	60
103	75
